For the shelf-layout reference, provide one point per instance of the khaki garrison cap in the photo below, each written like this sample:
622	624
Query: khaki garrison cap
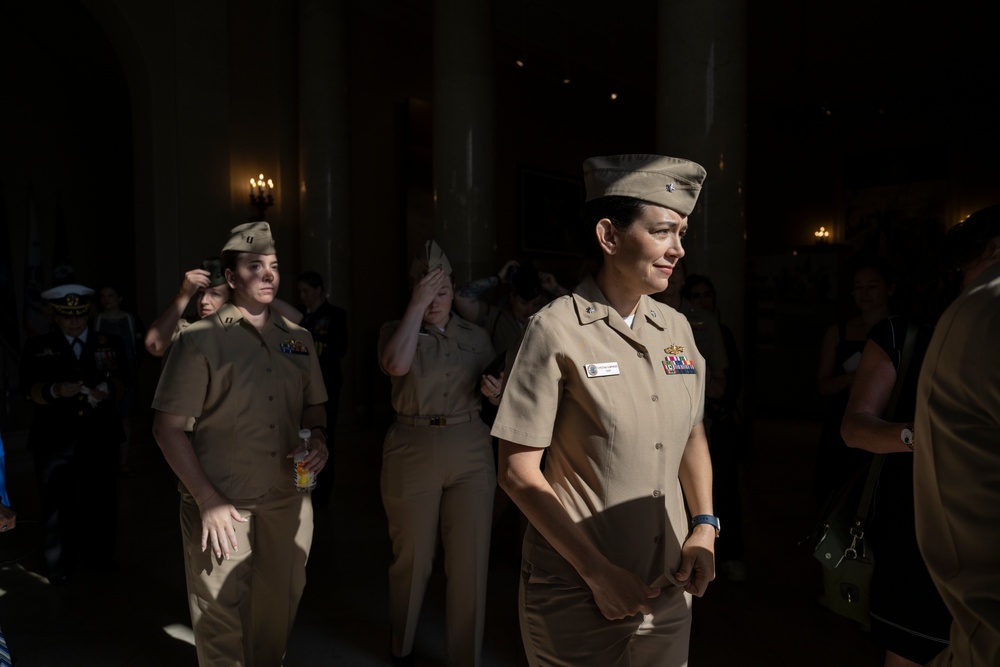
69	299
252	237
668	181
431	258
216	276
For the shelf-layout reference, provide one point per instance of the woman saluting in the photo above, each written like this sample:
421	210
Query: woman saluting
610	384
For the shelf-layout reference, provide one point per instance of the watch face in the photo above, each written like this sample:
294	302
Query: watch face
906	435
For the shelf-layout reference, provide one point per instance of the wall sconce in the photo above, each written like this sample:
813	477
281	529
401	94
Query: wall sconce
822	236
261	196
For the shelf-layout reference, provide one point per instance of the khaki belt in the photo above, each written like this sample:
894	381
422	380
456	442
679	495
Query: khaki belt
437	422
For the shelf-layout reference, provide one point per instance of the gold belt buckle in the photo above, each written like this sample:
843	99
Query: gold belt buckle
439	421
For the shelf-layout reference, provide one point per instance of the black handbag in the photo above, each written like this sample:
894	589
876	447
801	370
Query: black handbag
841	544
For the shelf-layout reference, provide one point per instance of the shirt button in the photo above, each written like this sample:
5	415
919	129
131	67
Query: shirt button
659	445
270	398
268	370
656	493
657	539
263	344
654	398
271	426
274	454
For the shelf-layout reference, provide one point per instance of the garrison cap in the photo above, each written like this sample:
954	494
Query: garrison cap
252	237
667	181
216	276
431	258
69	299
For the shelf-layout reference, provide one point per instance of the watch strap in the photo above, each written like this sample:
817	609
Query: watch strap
709	519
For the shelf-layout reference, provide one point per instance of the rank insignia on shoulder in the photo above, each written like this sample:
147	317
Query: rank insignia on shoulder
678	365
293	346
674	349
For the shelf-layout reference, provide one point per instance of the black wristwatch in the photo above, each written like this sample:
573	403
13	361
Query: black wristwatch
709	519
321	429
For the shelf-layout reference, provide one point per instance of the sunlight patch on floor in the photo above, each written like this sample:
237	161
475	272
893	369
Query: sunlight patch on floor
181	632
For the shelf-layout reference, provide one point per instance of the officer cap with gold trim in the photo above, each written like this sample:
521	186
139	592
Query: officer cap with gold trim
668	181
429	259
216	276
69	299
252	237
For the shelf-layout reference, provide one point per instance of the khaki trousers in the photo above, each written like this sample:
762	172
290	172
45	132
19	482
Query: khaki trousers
561	626
243	609
445	476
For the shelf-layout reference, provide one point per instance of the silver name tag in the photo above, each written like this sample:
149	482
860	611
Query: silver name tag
602	370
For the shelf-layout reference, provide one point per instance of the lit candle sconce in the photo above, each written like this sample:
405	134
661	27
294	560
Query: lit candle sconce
261	196
822	236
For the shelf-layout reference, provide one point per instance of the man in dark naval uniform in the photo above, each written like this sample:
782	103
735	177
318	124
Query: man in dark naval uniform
74	376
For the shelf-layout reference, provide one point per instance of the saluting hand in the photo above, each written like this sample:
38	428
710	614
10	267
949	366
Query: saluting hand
425	290
620	593
217	516
194	280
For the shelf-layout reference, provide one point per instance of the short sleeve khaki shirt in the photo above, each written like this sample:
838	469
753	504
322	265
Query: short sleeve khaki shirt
247	390
614	406
445	374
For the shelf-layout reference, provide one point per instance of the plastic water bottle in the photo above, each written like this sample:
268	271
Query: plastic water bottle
305	480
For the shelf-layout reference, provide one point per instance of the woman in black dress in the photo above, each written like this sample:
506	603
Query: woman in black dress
909	619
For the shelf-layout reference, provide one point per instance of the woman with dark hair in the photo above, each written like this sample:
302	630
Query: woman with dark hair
909	618
609	385
840	354
437	462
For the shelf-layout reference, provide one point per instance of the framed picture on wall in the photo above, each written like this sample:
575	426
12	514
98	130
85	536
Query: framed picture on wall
550	209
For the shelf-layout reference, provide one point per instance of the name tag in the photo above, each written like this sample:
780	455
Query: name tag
602	370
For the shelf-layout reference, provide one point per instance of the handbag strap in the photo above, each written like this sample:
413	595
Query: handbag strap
858	530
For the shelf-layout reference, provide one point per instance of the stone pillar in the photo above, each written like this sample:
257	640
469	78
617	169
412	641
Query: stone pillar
701	115
325	237
464	137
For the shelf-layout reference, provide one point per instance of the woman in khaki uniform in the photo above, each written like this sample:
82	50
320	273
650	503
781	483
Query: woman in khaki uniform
252	380
437	462
609	382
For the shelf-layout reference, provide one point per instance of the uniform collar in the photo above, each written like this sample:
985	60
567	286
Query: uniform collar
230	316
592	305
454	322
82	337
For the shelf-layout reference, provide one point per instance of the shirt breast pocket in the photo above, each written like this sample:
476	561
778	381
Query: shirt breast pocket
474	357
